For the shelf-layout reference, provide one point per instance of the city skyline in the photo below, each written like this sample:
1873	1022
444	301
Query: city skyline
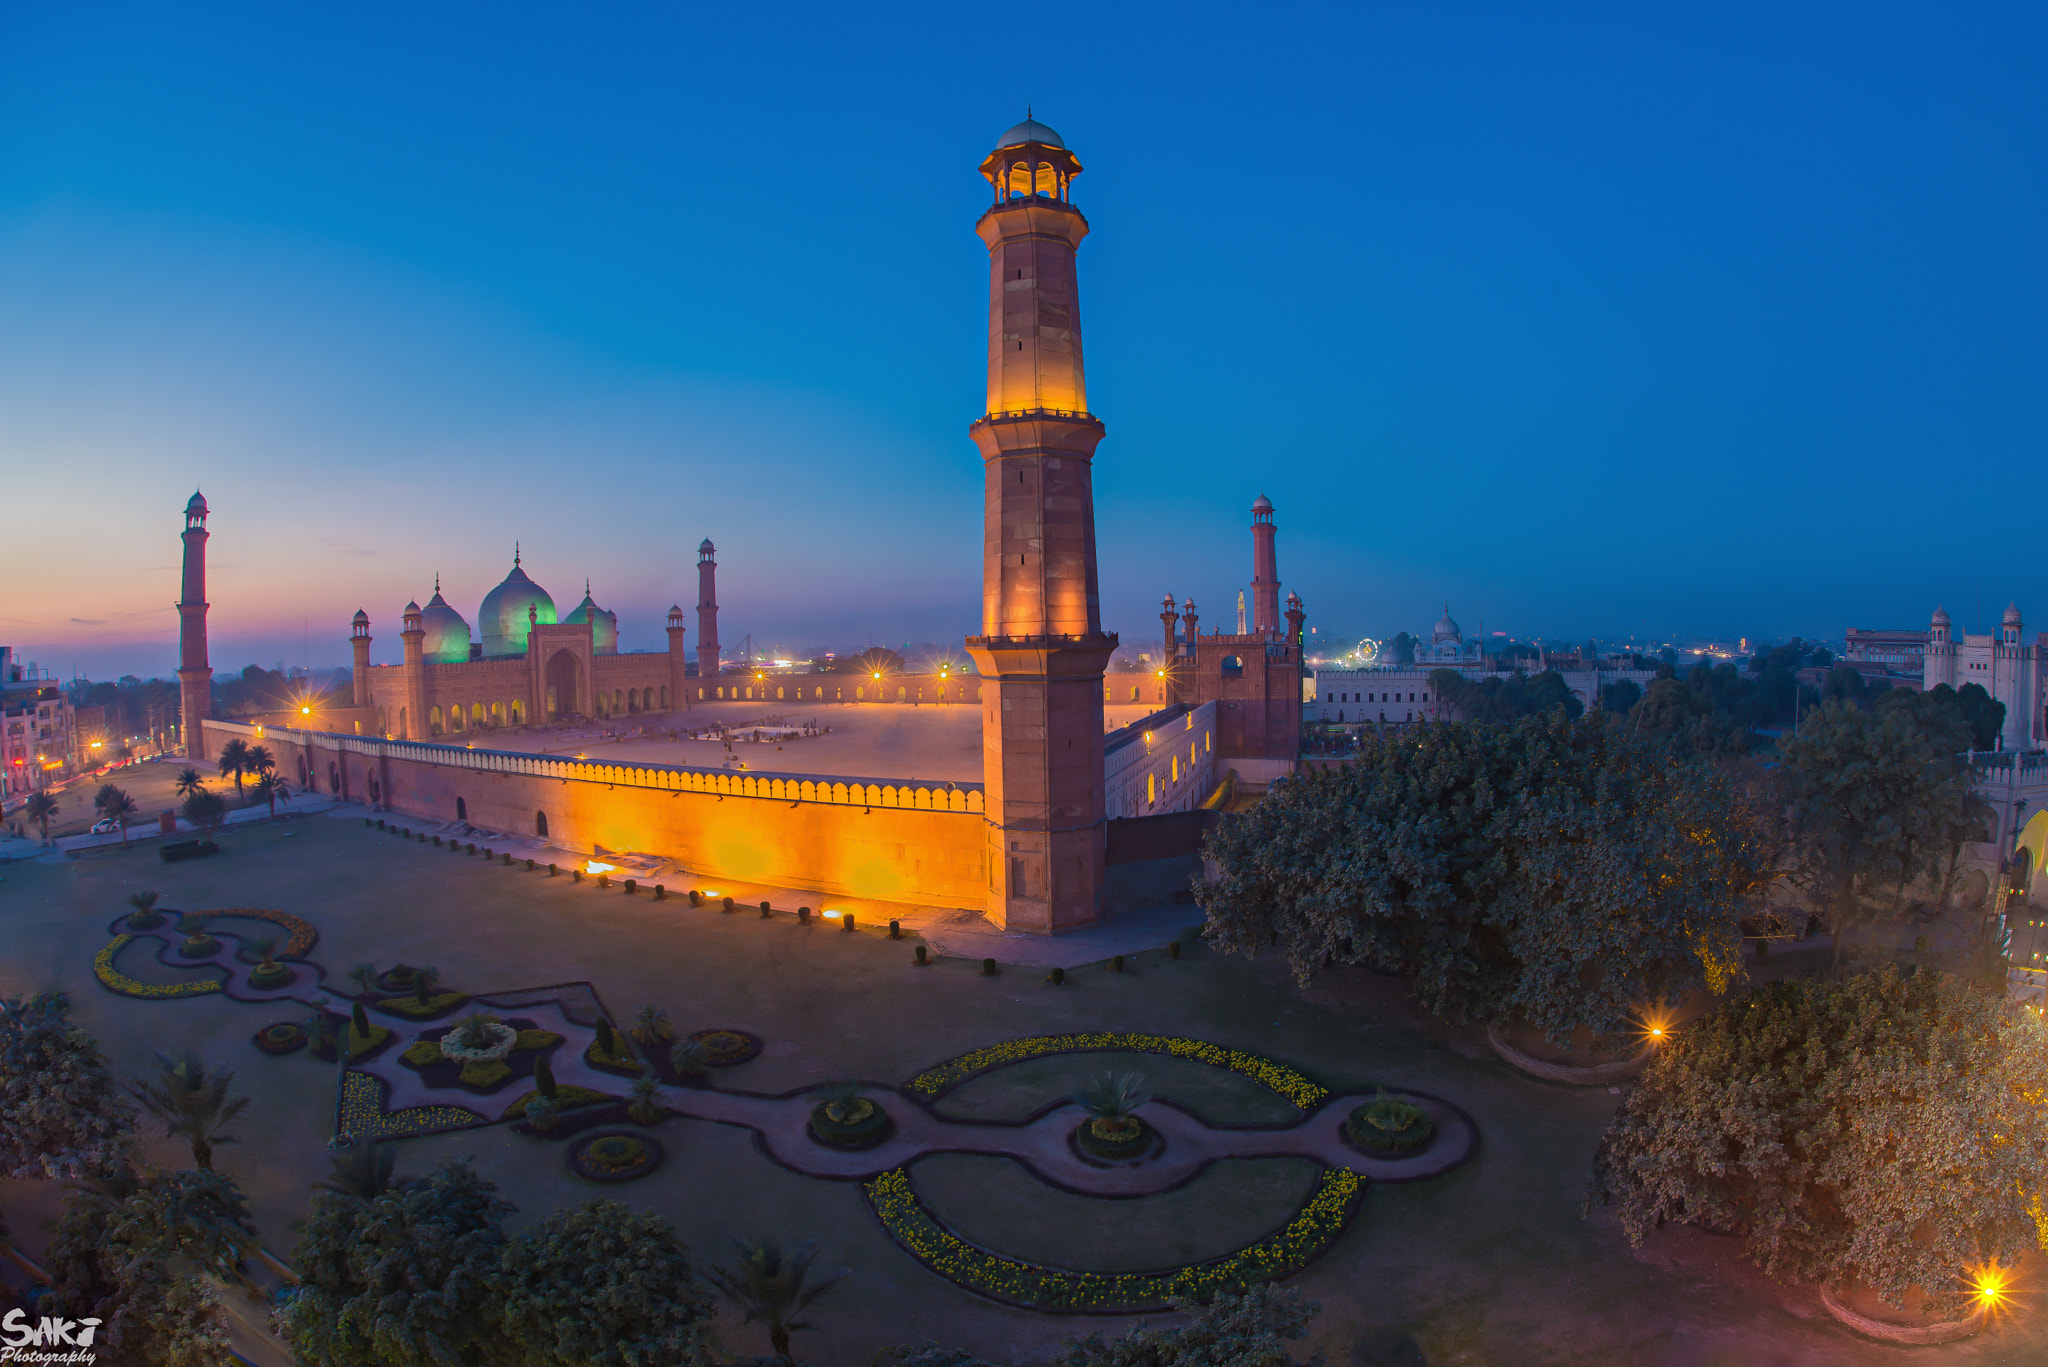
1622	326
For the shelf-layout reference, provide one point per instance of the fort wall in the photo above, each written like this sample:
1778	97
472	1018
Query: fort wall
892	841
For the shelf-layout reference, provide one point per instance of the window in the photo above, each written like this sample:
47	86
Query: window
1151	788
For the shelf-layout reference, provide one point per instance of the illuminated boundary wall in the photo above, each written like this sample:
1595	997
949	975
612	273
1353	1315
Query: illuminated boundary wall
897	842
1163	763
824	690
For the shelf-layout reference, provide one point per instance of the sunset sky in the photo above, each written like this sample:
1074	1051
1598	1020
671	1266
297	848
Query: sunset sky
1601	319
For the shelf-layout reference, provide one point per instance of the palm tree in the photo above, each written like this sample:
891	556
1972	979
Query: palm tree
115	805
364	976
234	759
144	903
206	811
40	809
189	781
363	1171
424	980
193	1102
645	1107
764	1285
260	760
651	1027
1112	1096
272	789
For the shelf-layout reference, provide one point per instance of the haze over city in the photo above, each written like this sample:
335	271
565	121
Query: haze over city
1612	323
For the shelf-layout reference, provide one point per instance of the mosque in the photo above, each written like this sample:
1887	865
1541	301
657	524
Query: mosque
1059	790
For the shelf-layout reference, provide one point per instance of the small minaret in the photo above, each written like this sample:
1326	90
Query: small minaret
1296	615
1170	615
359	645
678	695
1187	618
1240	612
195	675
412	719
1265	572
707	610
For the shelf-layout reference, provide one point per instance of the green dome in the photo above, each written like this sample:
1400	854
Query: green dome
447	641
604	628
503	619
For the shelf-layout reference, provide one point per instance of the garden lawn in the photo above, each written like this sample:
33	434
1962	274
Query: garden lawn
1487	1265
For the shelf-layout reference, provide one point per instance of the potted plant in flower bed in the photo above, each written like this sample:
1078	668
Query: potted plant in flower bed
269	972
145	916
1112	1133
424	1003
197	943
847	1120
281	1038
482	1054
552	1111
332	1031
1388	1127
614	1157
610	1053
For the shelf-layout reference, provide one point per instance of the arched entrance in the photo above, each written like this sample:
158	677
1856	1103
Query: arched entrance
563	690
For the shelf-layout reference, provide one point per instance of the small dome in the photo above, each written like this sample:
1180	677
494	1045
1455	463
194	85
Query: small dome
2012	614
604	626
1031	130
361	619
503	619
1940	615
1446	629
412	609
1262	505
706	548
197	507
447	640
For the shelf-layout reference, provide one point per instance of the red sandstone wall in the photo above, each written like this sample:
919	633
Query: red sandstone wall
895	853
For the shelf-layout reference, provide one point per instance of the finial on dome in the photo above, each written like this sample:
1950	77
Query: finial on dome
515	555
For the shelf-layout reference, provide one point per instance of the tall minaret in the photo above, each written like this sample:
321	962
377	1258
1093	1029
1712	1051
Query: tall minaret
707	610
1042	650
1265	573
195	675
678	694
359	646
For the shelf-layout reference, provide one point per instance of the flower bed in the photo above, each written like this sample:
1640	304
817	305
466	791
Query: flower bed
1388	1127
362	1116
440	1004
723	1048
299	935
620	1060
198	947
282	1038
1115	1141
936	1082
570	1097
269	976
123	985
1036	1286
441	1062
614	1157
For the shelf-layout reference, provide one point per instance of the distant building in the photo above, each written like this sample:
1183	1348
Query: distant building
38	734
2003	665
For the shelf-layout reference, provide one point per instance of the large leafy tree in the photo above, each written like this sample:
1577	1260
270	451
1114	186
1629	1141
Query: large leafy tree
1875	806
412	1278
1891	1130
600	1286
1250	1330
1557	873
140	1253
61	1112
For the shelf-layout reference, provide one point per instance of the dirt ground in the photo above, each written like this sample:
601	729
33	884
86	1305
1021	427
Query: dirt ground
1490	1264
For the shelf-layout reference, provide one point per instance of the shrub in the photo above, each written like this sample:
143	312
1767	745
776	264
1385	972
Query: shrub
645	1107
567	1097
1840	1128
542	1111
1388	1125
359	1018
696	898
1058	977
423	1053
544	1078
485	1075
607	1042
846	921
845	1119
1116	963
687	1058
651	1026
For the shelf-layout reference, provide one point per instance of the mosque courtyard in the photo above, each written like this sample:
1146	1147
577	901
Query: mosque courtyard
1473	1251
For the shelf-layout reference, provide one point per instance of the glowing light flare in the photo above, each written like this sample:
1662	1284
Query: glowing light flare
1657	1027
833	915
592	866
1991	1287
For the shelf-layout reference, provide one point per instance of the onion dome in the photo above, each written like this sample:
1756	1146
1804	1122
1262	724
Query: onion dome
675	614
1446	630
1940	616
604	626
2012	614
1262	504
412	609
361	619
197	507
447	641
510	611
1031	130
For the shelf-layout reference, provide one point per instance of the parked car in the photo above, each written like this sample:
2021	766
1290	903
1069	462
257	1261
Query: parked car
107	827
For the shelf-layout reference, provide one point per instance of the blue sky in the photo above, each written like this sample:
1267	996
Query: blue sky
1677	321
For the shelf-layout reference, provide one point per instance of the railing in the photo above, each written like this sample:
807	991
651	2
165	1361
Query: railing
2002	761
849	792
1023	414
1099	638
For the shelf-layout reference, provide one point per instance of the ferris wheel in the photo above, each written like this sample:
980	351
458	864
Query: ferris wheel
1366	652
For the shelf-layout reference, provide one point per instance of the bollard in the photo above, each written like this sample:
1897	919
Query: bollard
487	856
803	916
660	893
508	859
895	930
696	898
437	842
631	884
846	921
366	821
576	874
1116	963
551	870
1058	977
728	906
529	866
765	911
988	968
922	961
604	880
1173	950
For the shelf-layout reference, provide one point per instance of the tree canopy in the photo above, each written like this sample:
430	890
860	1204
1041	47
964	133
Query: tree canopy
1557	873
599	1286
1887	1129
61	1112
1500	700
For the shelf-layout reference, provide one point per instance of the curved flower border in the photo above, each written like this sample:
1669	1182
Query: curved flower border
937	1081
1036	1286
116	981
360	1115
300	936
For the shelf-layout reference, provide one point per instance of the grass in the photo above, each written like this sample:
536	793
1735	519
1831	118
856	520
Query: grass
1491	1264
